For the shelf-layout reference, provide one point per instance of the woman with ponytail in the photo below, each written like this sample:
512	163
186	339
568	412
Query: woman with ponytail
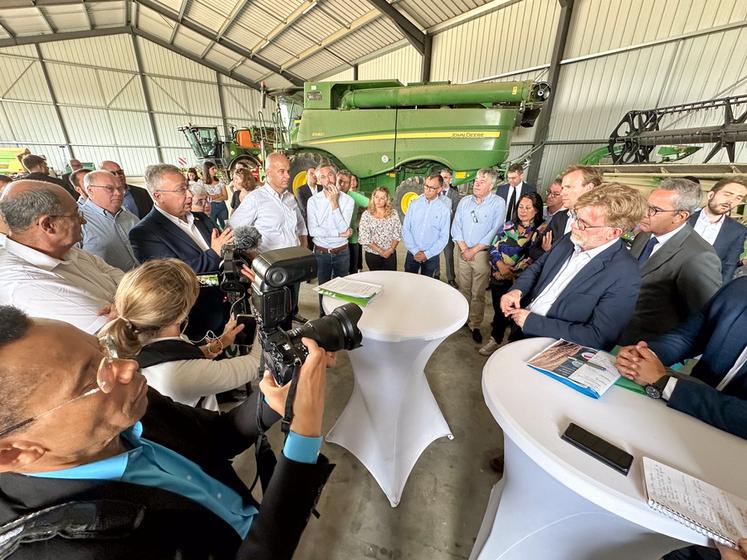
153	301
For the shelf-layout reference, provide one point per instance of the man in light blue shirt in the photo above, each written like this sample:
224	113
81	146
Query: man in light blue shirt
107	224
426	229
478	218
329	213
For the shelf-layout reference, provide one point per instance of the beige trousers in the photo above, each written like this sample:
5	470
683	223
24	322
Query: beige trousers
473	278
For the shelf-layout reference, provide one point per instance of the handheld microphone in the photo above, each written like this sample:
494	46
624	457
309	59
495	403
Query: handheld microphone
245	238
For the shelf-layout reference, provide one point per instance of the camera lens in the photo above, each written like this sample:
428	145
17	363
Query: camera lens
336	331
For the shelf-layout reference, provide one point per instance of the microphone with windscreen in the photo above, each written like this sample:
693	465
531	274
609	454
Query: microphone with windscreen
240	252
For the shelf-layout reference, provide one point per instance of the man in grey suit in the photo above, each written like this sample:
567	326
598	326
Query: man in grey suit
450	196
680	271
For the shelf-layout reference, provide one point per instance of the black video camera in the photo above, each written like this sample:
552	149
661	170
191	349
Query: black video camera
283	353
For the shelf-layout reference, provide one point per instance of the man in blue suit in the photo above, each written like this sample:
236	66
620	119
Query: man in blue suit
512	189
716	332
717	228
171	230
585	288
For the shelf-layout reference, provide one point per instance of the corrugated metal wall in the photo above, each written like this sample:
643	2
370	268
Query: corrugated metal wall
103	104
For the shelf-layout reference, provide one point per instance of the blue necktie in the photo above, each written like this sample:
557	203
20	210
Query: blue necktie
646	253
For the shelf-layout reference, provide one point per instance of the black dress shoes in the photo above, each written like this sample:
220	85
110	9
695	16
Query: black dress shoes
477	336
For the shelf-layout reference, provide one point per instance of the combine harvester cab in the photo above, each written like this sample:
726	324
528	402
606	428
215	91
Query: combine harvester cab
392	135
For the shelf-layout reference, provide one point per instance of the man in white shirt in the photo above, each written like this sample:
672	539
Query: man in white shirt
274	211
680	271
715	226
42	271
585	287
329	213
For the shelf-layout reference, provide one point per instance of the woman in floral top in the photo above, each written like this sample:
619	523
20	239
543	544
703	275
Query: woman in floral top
379	231
517	247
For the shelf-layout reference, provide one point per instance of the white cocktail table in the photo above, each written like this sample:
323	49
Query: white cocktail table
557	503
392	416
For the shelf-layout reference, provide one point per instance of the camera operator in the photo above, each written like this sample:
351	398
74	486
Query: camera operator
152	303
93	464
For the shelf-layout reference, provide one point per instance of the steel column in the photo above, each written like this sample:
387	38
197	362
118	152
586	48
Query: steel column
425	69
53	97
146	93
222	103
411	31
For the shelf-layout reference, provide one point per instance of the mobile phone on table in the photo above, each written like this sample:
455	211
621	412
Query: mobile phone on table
600	449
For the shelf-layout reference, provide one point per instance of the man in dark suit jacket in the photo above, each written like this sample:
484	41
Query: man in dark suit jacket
512	190
680	271
576	180
120	471
38	170
717	228
74	166
303	195
137	200
171	230
585	287
716	333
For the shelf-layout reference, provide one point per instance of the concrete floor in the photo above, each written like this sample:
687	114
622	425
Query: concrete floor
445	496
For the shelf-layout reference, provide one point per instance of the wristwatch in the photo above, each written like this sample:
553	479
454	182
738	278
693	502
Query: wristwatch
656	389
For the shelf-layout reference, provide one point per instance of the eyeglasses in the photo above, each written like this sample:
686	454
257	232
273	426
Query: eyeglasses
180	190
654	210
110	190
431	188
105	378
78	214
582	225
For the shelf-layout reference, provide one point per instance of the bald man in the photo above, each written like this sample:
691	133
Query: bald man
43	273
136	199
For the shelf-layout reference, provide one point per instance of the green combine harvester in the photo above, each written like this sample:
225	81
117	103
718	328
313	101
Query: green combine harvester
387	134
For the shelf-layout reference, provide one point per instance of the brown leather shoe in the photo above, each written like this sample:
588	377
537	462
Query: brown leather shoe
496	464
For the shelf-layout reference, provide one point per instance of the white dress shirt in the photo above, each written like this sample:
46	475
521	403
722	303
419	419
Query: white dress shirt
709	230
666	394
71	290
277	217
325	224
575	264
664	238
569	223
3	238
187	227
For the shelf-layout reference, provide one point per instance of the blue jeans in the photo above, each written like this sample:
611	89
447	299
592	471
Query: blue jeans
219	213
426	268
331	265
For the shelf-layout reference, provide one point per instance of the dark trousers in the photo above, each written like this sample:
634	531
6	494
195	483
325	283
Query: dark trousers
500	321
694	553
355	257
426	268
331	265
219	213
449	258
377	262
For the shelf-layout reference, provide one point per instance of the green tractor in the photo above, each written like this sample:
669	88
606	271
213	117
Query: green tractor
390	135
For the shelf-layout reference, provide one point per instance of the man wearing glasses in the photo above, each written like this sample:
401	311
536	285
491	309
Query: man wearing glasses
136	199
107	226
680	271
585	288
43	272
94	464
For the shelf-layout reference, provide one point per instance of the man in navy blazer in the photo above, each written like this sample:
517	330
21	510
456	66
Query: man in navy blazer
512	190
585	288
717	333
717	228
171	230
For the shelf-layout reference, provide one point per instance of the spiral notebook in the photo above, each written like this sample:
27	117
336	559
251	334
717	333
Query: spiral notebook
701	506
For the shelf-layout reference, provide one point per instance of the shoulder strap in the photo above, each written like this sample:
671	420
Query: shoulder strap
168	351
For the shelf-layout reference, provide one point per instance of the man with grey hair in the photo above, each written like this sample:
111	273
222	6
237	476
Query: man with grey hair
43	272
136	199
107	224
680	271
478	218
172	230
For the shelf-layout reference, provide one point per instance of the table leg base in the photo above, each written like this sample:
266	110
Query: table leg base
538	517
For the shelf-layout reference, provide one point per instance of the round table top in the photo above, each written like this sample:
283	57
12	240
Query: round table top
534	410
410	306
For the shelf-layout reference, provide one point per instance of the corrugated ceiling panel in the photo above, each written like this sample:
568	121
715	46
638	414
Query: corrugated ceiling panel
22	50
255	20
24	21
203	99
113	51
317	25
34	123
431	12
315	65
107	13
190	42
294	41
600	26
344	76
25	80
277	82
169	96
276	54
344	11
67	17
88	126
241	35
131	129
250	70
368	39
78	88
173	4
517	36
157	60
153	23
222	56
211	16
403	65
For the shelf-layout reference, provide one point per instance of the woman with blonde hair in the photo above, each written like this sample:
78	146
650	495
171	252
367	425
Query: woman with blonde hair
153	302
379	231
